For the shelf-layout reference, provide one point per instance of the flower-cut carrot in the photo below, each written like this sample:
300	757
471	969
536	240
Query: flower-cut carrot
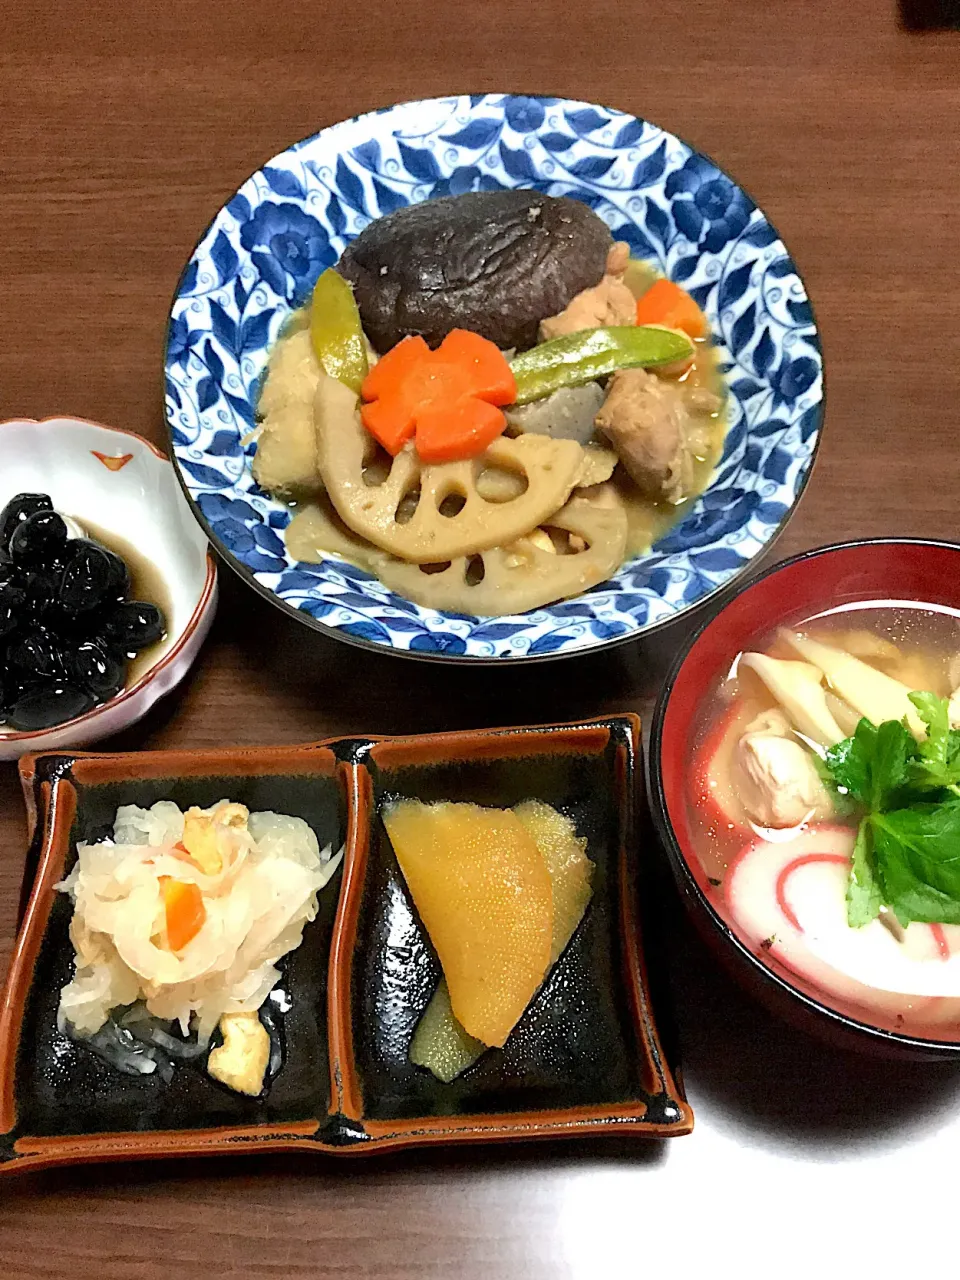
448	399
665	303
185	912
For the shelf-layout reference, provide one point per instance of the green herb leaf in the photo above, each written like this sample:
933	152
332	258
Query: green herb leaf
922	842
849	761
910	897
935	714
907	852
894	747
872	765
938	757
864	896
844	805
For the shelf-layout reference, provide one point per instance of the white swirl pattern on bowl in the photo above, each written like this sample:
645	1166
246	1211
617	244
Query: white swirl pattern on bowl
262	253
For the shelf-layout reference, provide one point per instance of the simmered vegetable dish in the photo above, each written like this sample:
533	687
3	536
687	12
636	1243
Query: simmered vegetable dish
489	405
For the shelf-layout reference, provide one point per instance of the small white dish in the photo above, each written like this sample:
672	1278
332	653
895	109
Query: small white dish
122	485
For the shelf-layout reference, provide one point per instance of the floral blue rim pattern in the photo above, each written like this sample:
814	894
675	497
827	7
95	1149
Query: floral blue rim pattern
262	253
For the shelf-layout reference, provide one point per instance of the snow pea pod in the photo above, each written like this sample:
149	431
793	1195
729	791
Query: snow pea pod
335	331
576	358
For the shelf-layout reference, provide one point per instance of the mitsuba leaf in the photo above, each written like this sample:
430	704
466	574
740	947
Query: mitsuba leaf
872	765
907	852
864	896
919	844
894	747
849	761
935	714
938	756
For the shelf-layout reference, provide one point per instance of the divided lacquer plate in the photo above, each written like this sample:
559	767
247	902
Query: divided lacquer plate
585	1058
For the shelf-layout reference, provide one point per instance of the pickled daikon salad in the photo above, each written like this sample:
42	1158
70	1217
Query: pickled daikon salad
825	802
179	923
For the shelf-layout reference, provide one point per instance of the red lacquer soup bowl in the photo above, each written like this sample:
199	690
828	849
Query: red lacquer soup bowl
905	570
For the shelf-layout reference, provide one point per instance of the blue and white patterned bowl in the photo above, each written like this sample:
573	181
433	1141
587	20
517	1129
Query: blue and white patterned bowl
265	248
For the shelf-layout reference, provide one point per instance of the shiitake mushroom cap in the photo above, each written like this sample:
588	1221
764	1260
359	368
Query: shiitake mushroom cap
494	262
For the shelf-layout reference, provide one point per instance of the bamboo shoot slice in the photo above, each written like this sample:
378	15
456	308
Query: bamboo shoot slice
798	689
875	695
286	457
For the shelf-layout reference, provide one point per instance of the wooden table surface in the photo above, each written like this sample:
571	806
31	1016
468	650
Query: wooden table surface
122	129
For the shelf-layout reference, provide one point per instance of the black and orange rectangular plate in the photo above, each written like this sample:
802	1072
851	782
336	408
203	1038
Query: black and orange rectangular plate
585	1058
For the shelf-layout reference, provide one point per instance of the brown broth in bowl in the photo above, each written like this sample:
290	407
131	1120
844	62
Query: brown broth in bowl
146	584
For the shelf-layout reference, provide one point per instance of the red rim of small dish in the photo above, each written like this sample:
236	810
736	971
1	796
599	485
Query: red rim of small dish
671	841
174	651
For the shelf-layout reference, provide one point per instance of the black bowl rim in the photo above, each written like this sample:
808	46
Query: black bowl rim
315	624
675	854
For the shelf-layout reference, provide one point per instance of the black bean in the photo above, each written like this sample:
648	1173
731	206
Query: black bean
119	581
67	630
9	573
46	706
133	625
9	618
40	607
86	578
13	592
35	657
93	667
38	539
19	509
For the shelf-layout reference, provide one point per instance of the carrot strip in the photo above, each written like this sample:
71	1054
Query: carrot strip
184	909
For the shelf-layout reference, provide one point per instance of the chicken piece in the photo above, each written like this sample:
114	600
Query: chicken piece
241	1061
702	400
647	423
609	302
781	786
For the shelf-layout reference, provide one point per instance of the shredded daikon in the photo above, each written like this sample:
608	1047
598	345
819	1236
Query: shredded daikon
254	911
